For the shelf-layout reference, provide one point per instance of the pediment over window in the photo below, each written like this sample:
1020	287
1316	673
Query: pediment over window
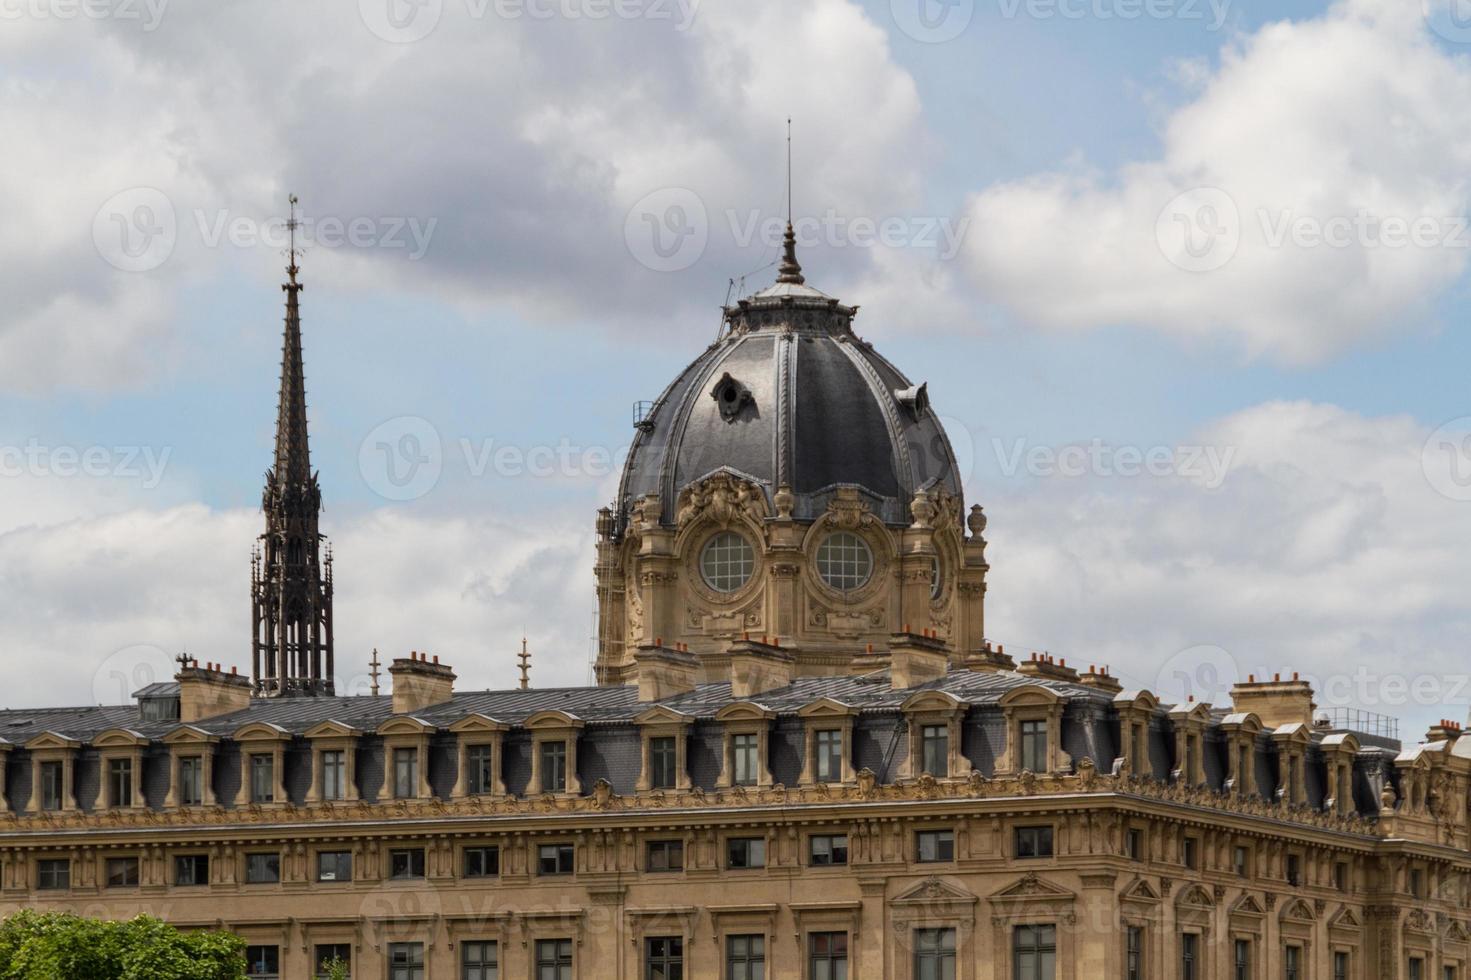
477	722
1297	733
1139	890
1243	721
1195	897
1197	712
119	738
1141	700
936	701
52	740
935	891
1031	888
331	729
1456	932
1031	694
552	719
744	711
1248	906
1298	911
661	715
1346	919
827	708
1340	742
189	735
406	725
261	731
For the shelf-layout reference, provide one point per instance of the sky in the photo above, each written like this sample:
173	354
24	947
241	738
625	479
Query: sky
1186	278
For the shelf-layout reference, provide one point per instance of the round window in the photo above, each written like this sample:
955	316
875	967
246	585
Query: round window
727	562
844	561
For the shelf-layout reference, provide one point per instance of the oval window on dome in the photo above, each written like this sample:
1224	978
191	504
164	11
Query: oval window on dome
937	583
727	562
844	561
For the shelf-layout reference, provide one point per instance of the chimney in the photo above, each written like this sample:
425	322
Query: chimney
207	692
916	658
1276	702
664	672
989	658
758	666
1446	731
1100	679
419	683
1048	666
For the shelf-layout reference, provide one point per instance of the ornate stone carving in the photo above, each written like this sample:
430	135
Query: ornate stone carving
721	499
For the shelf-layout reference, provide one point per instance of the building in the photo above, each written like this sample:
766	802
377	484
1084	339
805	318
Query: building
803	760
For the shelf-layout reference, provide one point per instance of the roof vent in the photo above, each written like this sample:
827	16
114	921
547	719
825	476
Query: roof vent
916	399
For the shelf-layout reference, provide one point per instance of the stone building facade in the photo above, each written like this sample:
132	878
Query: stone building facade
804	759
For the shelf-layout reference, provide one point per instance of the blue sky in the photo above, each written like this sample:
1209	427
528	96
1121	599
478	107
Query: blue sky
530	321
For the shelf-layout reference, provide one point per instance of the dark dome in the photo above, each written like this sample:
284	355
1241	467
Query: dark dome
790	395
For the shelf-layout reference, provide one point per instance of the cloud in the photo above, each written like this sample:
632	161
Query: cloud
1303	128
151	160
1325	548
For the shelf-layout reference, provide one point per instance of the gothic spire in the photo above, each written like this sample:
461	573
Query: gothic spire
293	456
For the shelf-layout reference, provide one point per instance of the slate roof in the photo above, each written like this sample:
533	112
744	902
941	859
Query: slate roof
593	705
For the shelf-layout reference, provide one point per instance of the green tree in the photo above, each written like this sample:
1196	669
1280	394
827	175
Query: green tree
55	946
334	969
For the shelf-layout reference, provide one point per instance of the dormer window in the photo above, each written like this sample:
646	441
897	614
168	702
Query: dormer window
743	750
191	781
830	756
663	762
120	782
51	788
935	750
553	767
262	779
334	776
478	773
1034	745
731	396
405	773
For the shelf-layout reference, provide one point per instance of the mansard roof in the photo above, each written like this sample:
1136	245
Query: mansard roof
593	705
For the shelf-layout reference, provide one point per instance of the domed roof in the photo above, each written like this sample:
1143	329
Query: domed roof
789	395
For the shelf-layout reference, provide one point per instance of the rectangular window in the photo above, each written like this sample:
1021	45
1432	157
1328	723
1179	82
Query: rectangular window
1134	953
262	779
263	962
1134	844
664	958
1417	968
553	767
405	773
482	862
1033	842
1417	883
53	874
478	776
1340	876
262	869
326	954
665	855
334	865
406	862
1034	746
1242	960
334	776
745	852
554	959
934	955
934	743
120	782
934	845
743	749
1340	966
1450	973
1239	858
405	961
479	961
52	776
1189	956
122	872
1292	963
1294	869
191	869
554	859
825	850
829	767
827	956
191	781
745	958
1190	853
663	762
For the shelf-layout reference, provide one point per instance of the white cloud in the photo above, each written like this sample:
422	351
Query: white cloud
1313	121
1325	548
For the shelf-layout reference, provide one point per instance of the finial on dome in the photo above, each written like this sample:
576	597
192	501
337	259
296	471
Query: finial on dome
790	270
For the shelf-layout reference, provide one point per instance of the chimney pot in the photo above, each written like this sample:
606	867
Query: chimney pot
436	658
1276	677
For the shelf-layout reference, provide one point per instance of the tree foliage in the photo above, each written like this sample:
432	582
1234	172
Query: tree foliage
56	946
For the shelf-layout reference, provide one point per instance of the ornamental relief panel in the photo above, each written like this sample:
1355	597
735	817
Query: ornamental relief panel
721	499
723	624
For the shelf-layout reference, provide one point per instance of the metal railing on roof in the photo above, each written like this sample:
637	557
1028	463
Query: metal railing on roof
1363	722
